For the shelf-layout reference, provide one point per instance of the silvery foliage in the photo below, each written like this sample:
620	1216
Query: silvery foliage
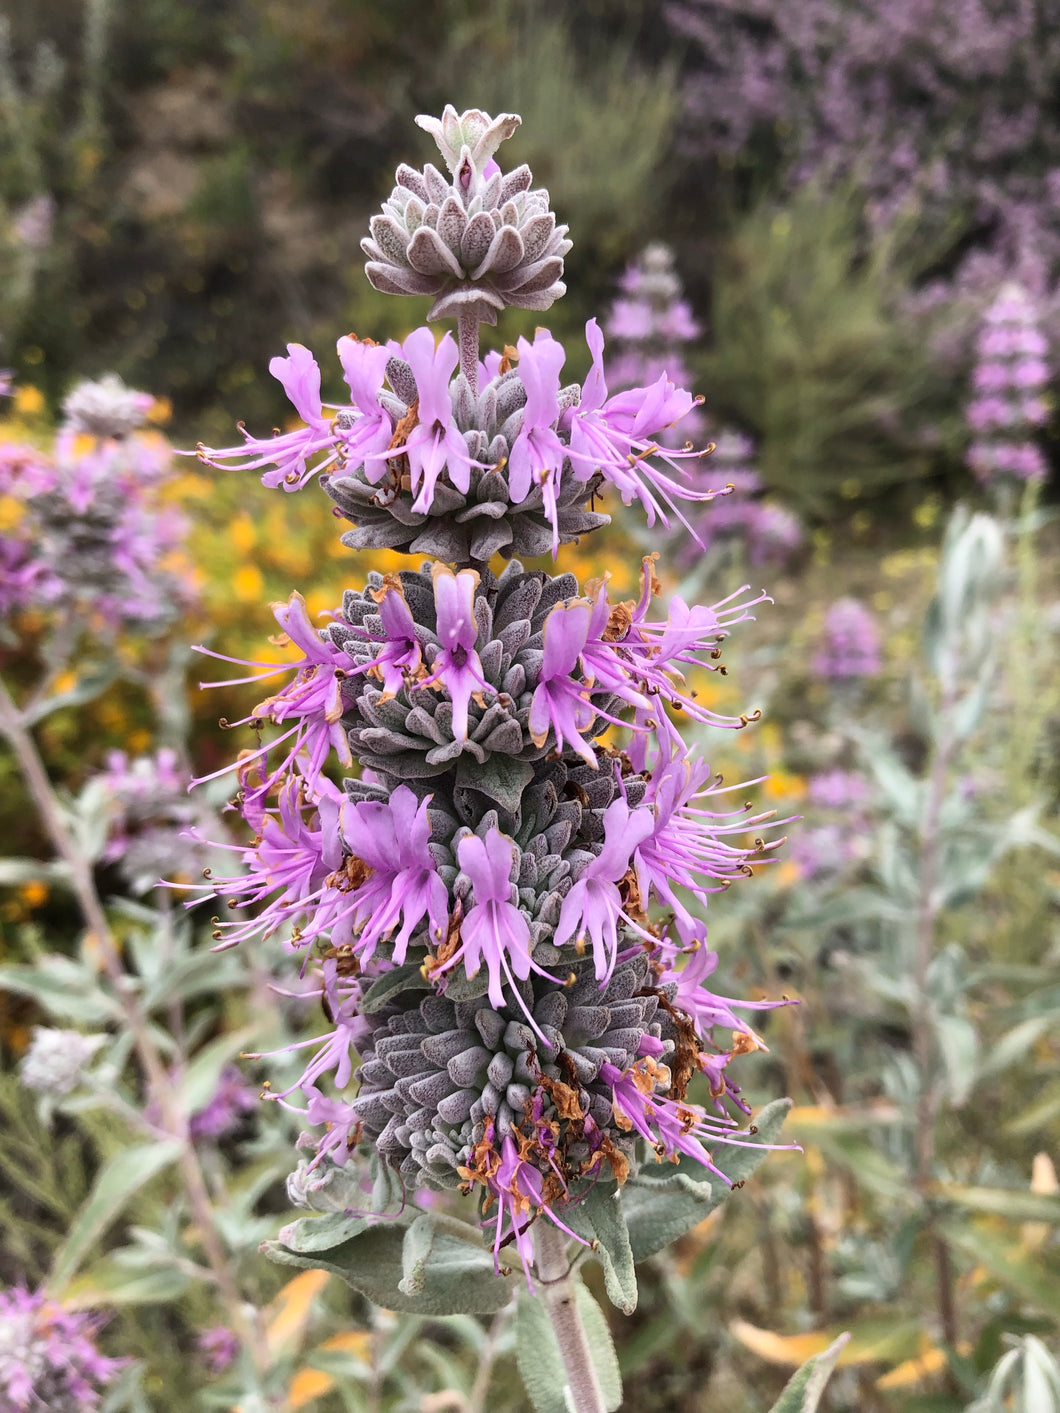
941	837
478	243
1026	1379
83	1066
466	528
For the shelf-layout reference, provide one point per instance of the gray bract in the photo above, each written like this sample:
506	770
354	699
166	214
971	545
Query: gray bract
478	243
460	528
435	1070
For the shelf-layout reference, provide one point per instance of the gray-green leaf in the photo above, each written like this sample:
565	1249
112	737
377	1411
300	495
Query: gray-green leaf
602	1215
660	1209
454	1276
803	1392
391	982
117	1181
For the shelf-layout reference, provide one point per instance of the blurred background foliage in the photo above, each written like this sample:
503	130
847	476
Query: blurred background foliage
183	187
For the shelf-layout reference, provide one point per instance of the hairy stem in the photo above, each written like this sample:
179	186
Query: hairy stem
158	1082
559	1296
467	332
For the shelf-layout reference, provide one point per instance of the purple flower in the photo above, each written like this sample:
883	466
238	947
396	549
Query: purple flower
403	656
631	319
850	644
677	323
149	816
1011	374
518	1189
518	848
22	576
537	454
614	436
986	412
494	931
706	1009
392	839
288	863
343	1126
93	532
1030	373
839	789
291	455
232	1099
824	849
594	904
435	443
219	1348
687	844
673	1129
312	700
365	439
690	637
48	1356
991	377
456	666
624	655
336	1054
561	698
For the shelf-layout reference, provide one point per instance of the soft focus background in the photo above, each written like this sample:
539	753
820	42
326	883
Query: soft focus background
840	222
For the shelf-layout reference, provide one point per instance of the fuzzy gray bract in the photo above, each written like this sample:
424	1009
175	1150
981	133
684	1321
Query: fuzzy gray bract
433	1071
477	249
459	528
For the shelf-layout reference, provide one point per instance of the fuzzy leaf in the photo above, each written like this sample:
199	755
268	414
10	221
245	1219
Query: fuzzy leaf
456	1275
1034	1278
660	1209
803	1392
112	1281
63	988
415	1253
310	1234
16	871
604	1213
391	982
960	1047
1012	1203
117	1182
